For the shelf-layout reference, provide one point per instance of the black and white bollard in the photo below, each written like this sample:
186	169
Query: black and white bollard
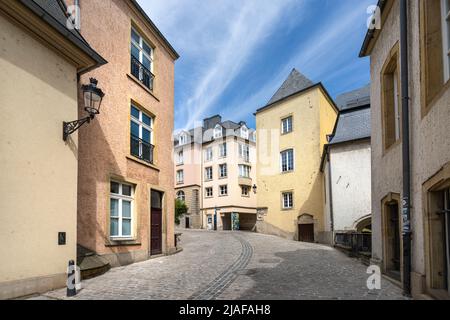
71	289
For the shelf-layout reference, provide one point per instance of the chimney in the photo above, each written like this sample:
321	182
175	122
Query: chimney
210	123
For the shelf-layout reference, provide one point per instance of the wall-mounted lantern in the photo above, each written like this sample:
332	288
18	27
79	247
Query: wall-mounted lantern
92	101
255	188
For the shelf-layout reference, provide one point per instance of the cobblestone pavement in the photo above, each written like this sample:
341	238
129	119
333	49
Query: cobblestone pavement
238	265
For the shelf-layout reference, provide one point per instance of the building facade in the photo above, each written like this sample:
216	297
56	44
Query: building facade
125	180
346	165
218	162
428	29
292	130
40	59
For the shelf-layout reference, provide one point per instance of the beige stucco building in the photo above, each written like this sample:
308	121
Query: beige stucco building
429	97
40	59
125	180
215	173
292	130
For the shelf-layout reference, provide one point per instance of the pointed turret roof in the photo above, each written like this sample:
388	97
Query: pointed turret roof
294	83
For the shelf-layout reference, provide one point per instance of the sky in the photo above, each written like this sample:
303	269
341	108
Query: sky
235	54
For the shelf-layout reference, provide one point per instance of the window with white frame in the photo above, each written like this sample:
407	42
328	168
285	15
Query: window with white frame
286	125
245	191
287	160
244	152
141	135
223	190
180	176
223	172
223	150
182	139
180	157
209	154
121	210
287	200
208	192
244	132
208	174
445	13
244	171
218	132
141	59
181	196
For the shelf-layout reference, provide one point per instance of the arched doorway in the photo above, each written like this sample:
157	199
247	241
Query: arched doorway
364	224
306	228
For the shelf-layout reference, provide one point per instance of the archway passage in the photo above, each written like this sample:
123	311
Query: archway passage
364	225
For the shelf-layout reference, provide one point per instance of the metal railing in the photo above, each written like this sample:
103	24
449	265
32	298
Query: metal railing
140	72
356	243
141	149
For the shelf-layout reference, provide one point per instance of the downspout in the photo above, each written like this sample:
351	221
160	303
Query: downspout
330	191
406	203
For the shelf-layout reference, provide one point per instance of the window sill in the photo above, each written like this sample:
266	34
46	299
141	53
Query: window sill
287	209
223	178
143	162
393	146
287	172
286	133
134	79
118	242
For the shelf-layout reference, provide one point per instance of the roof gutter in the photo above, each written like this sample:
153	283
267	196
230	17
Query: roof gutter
371	32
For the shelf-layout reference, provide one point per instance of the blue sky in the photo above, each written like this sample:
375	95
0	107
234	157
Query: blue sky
236	53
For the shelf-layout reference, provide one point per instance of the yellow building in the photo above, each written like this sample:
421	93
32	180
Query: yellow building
292	130
40	59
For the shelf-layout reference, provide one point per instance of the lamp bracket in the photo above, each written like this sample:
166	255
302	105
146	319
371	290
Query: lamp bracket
71	127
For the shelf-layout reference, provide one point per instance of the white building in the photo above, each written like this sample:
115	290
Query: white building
346	164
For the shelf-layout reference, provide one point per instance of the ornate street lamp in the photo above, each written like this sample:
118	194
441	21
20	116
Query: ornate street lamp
255	188
92	100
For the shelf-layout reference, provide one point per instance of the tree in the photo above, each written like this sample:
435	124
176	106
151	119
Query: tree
180	209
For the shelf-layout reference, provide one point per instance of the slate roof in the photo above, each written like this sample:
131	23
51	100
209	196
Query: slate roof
294	83
53	12
356	98
352	125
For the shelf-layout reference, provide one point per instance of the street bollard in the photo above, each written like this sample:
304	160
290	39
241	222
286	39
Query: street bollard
71	289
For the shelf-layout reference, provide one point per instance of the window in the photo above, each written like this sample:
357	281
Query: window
245	191
287	200
244	171
244	152
244	132
209	154
209	192
141	59
180	176
391	100
223	150
181	196
287	160
180	157
182	139
208	174
223	190
445	16
286	125
218	132
141	135
223	171
121	208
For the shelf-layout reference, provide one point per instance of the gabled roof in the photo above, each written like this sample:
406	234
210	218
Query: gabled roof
294	83
352	124
53	12
356	98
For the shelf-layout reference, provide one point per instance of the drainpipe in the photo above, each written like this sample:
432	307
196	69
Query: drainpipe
330	191
406	203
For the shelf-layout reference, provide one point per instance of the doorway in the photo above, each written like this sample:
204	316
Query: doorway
156	223
393	241
187	223
306	233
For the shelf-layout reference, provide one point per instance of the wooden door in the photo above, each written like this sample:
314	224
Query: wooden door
156	223
306	232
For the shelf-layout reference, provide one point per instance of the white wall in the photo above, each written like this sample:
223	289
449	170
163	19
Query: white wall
350	183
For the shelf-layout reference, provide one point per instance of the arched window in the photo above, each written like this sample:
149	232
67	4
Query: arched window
181	196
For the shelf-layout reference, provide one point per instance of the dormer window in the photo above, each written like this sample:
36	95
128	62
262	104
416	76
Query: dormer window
182	139
244	132
218	132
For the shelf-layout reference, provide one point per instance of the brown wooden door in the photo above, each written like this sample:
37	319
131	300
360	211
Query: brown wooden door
306	232
156	231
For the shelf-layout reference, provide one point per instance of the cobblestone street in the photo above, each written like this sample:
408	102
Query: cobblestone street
238	265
